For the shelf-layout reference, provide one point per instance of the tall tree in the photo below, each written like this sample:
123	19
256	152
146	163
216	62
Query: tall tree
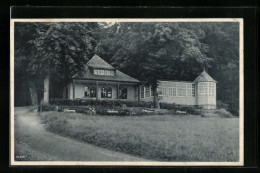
59	49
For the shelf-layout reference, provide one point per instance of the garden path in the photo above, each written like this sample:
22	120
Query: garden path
31	137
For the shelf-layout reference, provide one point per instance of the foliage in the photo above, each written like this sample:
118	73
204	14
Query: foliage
223	113
221	105
103	103
59	49
176	51
173	50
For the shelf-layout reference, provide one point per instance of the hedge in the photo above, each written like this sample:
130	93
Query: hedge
104	103
120	103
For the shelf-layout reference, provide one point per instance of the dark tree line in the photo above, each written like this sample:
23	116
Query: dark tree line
147	51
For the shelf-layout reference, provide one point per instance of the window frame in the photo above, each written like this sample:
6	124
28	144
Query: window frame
87	91
103	72
92	88
206	89
142	91
184	91
109	89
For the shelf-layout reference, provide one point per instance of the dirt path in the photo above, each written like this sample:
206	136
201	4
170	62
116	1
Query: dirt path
34	143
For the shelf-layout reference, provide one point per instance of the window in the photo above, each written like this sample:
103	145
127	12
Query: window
142	91
104	72
86	91
172	89
211	89
92	91
162	91
203	89
103	92
106	92
167	88
147	92
193	90
181	89
122	93
109	92
189	90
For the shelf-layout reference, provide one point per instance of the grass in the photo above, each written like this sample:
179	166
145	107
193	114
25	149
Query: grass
159	137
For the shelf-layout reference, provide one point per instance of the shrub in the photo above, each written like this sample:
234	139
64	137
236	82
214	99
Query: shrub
220	105
223	113
191	110
104	103
164	105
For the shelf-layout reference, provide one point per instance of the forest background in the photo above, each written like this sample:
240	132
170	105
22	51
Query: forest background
146	51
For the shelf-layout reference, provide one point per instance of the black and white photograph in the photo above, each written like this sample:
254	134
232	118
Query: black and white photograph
149	92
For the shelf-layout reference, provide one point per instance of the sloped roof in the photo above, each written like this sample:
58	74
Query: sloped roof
87	73
97	62
204	77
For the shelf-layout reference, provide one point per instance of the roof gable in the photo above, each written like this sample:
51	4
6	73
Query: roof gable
204	77
97	62
94	63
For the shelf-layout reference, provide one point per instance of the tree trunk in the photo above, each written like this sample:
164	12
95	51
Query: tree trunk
33	93
156	99
46	89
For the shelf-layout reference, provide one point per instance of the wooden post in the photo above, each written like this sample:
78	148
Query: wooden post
73	88
139	94
96	90
117	90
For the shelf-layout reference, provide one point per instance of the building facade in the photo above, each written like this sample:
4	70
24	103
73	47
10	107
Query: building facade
102	81
201	92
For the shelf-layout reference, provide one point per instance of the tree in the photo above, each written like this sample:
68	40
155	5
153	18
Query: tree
47	49
155	51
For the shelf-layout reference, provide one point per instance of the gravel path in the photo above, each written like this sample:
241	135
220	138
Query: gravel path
34	143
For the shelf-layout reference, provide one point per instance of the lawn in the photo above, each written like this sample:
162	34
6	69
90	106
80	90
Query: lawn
157	137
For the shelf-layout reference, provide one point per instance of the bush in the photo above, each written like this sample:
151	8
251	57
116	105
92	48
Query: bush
164	105
191	110
103	103
220	105
223	113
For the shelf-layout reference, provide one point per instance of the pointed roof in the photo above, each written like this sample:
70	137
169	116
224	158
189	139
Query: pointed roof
97	62
204	77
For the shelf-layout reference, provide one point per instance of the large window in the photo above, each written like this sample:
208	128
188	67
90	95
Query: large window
122	93
142	88
109	92
211	89
147	92
167	88
106	92
104	72
164	91
173	89
181	89
193	90
92	91
86	91
203	89
189	90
